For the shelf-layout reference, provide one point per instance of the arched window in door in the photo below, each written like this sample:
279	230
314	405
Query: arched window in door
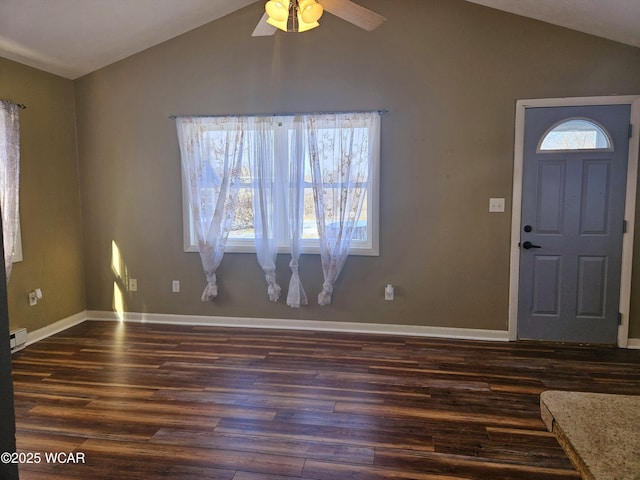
575	134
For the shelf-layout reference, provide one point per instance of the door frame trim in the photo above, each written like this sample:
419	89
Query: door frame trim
630	202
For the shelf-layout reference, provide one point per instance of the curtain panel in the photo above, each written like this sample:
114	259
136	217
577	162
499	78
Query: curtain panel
296	296
9	178
276	158
341	149
267	218
211	149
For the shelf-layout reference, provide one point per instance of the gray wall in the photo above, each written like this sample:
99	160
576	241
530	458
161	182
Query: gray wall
449	72
49	198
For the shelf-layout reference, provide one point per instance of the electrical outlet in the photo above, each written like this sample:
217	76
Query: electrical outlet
388	292
496	205
133	285
33	299
175	286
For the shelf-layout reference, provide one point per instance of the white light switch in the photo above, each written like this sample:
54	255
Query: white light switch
496	204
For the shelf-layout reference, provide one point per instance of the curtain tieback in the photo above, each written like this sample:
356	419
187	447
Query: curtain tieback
211	290
293	265
273	289
324	297
297	295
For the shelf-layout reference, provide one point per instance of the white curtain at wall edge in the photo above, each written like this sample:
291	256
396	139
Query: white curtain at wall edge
212	169
350	174
9	178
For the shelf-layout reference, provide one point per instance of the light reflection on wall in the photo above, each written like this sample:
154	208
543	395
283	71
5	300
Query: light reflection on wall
118	301
121	281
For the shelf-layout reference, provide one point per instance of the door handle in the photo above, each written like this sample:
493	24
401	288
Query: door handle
527	245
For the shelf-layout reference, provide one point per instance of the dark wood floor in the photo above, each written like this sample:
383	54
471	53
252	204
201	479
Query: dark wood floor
179	402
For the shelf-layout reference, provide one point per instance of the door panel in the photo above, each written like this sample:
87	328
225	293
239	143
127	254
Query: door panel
551	182
595	193
546	284
592	281
572	220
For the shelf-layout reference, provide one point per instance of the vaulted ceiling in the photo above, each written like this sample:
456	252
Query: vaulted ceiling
71	38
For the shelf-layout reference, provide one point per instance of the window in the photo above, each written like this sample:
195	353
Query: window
281	138
575	134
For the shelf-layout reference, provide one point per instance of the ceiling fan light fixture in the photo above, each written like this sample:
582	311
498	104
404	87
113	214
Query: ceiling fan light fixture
303	26
293	15
310	10
278	10
282	25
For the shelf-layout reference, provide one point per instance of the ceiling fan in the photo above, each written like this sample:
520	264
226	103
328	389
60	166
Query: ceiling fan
301	15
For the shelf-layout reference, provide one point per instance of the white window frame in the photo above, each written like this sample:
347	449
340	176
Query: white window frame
368	247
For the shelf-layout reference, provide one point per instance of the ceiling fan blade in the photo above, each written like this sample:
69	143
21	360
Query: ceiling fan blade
353	13
263	29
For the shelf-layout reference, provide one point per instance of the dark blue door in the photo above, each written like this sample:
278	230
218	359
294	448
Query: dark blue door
574	181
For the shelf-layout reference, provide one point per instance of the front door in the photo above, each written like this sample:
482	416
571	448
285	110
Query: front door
573	196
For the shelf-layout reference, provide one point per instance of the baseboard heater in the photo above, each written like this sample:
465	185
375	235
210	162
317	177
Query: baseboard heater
18	339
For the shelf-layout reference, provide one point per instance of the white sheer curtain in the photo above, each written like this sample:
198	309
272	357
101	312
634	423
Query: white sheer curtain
341	149
9	178
296	295
211	149
266	216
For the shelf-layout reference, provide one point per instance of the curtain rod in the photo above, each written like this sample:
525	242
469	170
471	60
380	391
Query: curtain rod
380	112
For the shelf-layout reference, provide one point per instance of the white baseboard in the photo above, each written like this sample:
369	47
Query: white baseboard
634	343
274	323
347	327
56	327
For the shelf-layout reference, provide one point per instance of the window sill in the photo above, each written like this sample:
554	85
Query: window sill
364	251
